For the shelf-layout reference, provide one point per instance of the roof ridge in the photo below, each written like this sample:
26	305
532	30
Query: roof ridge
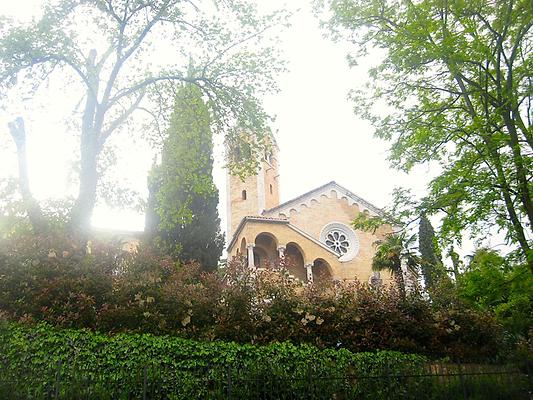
300	196
359	199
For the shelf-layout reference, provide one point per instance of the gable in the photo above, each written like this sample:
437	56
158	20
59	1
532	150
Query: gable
312	217
329	190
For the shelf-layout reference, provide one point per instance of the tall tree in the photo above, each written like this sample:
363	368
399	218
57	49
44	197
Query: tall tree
430	258
457	77
183	208
128	55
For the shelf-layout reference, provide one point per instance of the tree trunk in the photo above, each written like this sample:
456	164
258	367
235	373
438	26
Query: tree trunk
80	219
509	204
521	175
84	205
18	133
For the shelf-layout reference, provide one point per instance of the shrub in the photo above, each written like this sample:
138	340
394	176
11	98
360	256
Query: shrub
44	357
109	290
45	362
52	279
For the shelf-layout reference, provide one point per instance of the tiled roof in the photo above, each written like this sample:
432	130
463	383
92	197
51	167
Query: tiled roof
257	219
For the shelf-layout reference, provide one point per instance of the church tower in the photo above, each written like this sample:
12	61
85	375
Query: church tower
256	193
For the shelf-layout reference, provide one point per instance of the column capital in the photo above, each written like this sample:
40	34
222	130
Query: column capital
250	246
282	247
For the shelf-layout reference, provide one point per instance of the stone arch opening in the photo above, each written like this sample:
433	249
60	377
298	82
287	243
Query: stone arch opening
266	246
294	260
321	271
261	259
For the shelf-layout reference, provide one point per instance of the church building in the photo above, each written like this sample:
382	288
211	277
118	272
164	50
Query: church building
313	230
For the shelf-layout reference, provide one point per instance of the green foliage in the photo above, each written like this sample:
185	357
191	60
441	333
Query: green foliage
43	362
109	290
182	212
400	213
391	252
494	284
369	223
179	367
456	78
428	247
50	278
430	258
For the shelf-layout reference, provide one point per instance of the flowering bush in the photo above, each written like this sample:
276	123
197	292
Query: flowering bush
104	288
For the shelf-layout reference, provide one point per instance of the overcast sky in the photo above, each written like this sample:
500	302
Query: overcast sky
319	136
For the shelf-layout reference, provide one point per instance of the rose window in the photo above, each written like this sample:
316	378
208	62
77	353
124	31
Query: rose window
337	241
341	239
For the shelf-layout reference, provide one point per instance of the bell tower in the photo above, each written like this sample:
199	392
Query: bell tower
256	193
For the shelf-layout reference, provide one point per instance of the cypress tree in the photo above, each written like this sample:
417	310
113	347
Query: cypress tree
182	216
431	259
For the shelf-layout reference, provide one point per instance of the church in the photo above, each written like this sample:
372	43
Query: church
313	230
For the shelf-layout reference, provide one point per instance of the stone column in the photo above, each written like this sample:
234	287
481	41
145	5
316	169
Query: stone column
281	251
309	271
250	248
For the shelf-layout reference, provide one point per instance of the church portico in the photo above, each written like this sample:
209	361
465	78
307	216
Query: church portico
281	240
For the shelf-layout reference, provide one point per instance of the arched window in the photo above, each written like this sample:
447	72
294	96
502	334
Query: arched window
271	189
244	194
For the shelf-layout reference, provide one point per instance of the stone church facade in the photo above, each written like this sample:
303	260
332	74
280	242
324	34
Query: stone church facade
313	230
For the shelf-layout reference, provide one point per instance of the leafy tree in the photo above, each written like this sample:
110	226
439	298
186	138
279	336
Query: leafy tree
183	210
456	76
430	259
128	55
392	252
494	284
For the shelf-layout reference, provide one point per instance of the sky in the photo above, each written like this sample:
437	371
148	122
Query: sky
319	136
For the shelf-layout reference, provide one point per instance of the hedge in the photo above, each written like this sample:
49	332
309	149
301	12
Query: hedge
38	358
45	362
